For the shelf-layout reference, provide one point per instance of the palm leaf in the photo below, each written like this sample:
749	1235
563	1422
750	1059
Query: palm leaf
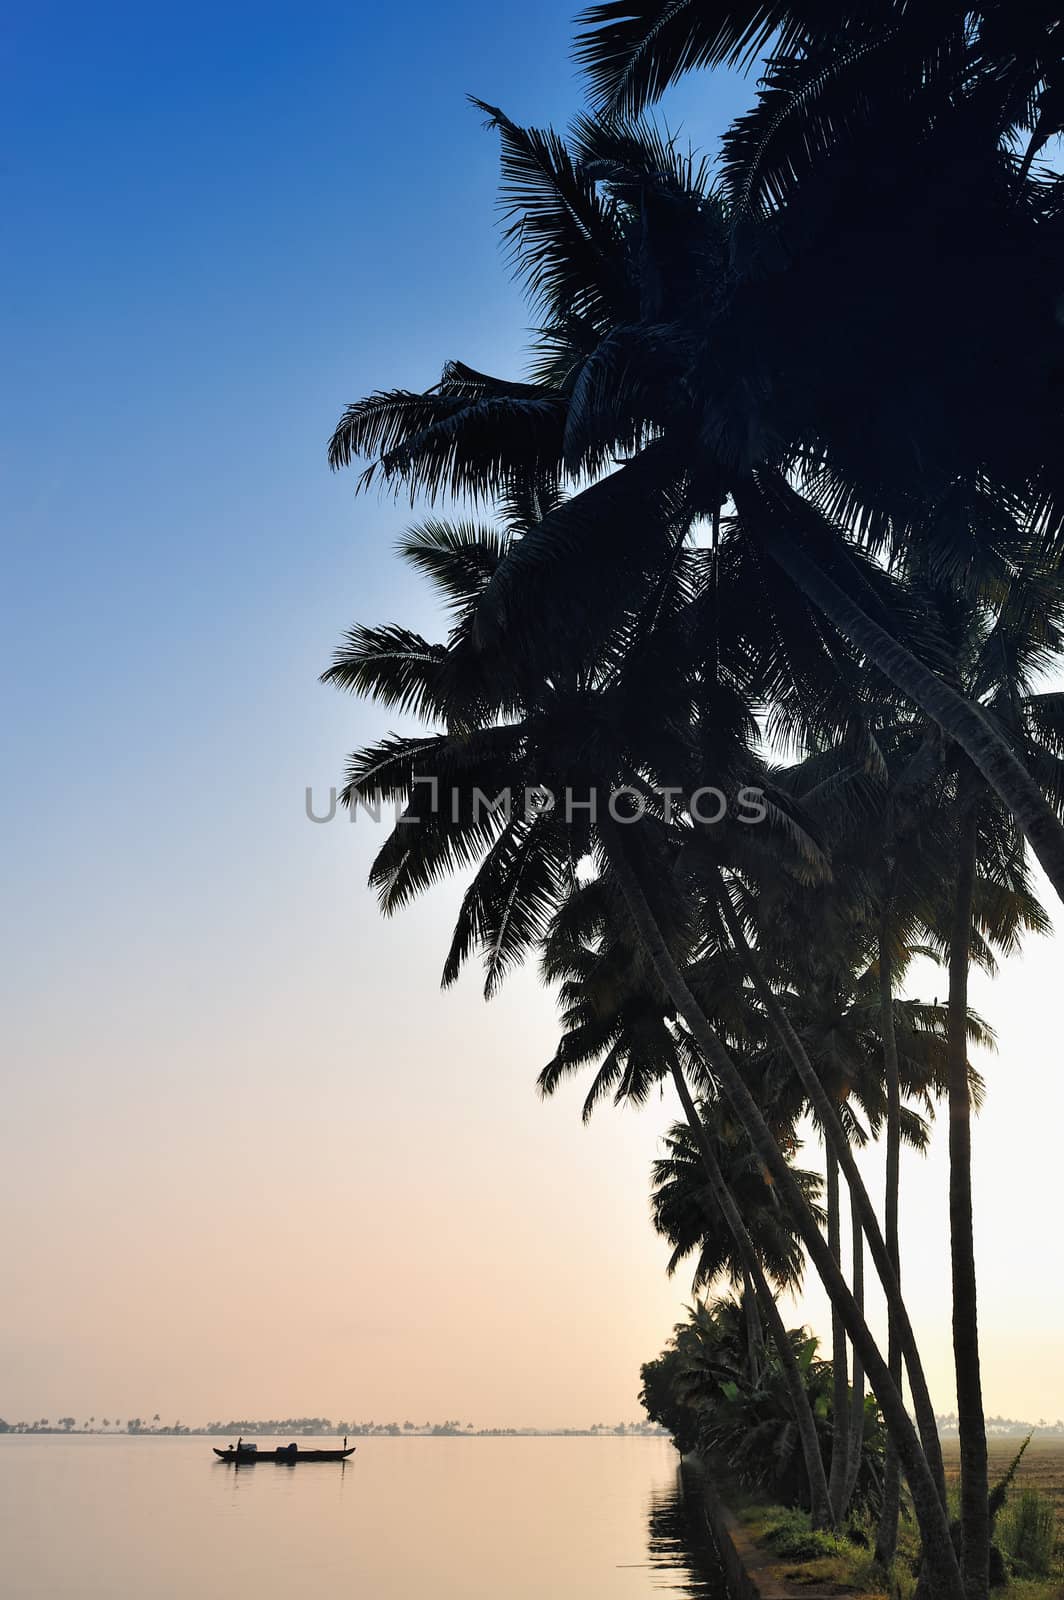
632	50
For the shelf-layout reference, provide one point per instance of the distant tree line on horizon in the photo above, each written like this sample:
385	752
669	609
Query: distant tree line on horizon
947	1423
324	1426
134	1425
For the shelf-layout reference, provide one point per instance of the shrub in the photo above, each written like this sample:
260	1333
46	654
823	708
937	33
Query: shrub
791	1536
1027	1531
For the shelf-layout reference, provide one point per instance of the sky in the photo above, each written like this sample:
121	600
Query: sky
252	1161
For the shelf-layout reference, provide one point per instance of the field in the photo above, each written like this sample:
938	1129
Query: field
1041	1468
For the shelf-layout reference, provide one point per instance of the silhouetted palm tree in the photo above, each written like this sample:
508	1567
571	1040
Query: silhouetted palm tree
685	1212
607	726
616	1017
832	67
631	261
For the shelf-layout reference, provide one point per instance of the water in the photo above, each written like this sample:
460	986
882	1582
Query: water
455	1519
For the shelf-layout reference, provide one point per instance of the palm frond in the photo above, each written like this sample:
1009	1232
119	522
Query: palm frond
632	50
471	436
564	237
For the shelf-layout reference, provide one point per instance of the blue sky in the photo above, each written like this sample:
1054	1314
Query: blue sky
227	222
223	224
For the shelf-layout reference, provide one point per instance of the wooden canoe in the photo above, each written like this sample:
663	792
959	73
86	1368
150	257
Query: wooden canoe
284	1455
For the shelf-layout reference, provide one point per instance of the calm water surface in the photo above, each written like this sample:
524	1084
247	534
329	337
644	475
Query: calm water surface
457	1519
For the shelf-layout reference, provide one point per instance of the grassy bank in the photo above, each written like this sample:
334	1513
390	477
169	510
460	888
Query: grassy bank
830	1564
844	1564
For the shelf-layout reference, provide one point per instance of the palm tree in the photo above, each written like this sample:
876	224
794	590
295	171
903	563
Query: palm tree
811	935
901	818
819	1015
913	885
835	1012
991	904
632	260
930	883
998	57
749	1424
685	1213
971	893
612	1015
589	730
575	245
439	444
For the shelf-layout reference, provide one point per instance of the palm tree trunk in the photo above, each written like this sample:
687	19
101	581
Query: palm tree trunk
856	1445
840	1388
940	1558
819	1503
887	1529
755	1338
834	1135
960	719
975	1518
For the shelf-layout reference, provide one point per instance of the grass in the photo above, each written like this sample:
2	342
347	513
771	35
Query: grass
1042	1467
1026	1531
829	1563
1030	1528
1030	1532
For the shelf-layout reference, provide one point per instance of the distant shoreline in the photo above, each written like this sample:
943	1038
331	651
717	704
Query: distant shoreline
278	1430
325	1430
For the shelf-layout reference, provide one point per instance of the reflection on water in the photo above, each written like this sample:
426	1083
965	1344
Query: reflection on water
96	1518
682	1554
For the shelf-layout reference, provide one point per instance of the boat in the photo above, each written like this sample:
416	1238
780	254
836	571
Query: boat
284	1455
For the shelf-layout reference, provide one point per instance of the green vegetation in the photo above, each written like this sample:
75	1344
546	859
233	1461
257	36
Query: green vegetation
786	1532
719	1392
836	1563
702	1390
1027	1532
739	703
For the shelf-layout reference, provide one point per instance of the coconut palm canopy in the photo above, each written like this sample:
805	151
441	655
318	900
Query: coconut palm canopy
764	522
